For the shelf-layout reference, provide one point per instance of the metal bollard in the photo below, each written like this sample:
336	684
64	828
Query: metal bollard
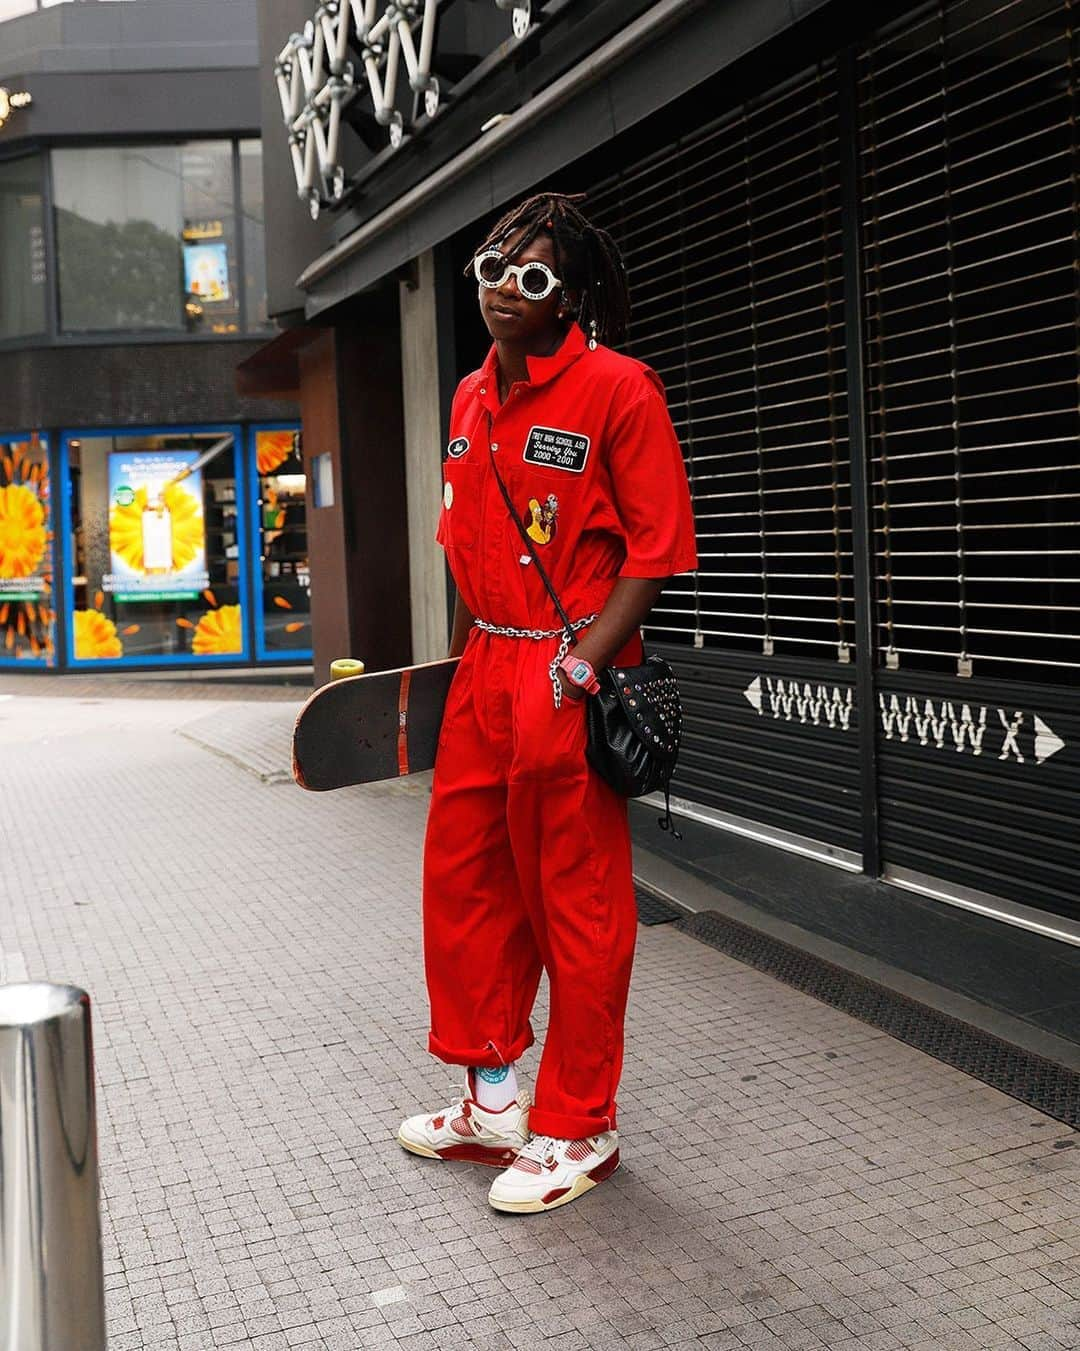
52	1295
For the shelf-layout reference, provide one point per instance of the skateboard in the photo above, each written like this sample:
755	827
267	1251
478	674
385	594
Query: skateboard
370	727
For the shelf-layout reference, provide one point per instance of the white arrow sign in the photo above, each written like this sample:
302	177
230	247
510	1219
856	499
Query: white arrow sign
791	699
935	722
1047	742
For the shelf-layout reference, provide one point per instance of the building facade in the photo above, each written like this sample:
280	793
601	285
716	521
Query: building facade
149	515
851	235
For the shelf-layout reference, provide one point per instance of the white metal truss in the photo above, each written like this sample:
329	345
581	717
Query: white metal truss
316	79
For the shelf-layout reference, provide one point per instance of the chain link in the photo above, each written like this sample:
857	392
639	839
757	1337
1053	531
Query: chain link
537	635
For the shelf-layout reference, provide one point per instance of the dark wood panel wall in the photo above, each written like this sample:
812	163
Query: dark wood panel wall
350	396
330	629
373	478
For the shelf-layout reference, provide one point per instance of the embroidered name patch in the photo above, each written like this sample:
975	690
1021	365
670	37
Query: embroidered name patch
457	447
555	449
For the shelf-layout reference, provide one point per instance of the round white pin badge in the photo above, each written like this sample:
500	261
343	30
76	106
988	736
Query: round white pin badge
448	496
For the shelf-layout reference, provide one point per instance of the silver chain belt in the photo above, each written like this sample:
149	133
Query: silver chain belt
505	631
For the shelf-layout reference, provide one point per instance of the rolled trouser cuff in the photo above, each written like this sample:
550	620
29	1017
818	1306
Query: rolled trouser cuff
491	1055
562	1126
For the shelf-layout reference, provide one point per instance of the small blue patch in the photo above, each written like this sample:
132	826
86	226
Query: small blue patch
493	1076
457	447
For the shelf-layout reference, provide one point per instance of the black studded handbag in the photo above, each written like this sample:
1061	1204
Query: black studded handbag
635	723
634	720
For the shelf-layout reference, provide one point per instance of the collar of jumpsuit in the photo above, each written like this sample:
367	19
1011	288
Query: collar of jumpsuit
590	461
542	370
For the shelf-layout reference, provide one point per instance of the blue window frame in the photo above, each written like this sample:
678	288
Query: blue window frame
27	552
156	545
281	577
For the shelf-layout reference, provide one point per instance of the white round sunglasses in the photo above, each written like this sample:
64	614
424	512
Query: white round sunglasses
535	281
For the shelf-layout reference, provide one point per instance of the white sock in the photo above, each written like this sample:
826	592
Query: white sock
493	1088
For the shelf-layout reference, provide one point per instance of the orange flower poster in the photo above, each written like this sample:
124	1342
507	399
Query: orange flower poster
26	617
273	448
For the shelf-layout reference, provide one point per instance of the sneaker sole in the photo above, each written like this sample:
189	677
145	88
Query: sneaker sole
491	1158
562	1196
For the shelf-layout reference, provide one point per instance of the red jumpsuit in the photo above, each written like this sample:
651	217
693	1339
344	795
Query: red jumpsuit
527	857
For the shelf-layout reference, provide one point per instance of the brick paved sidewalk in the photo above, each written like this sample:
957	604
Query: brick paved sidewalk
793	1178
289	685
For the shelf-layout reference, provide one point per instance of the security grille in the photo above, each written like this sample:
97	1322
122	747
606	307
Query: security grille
732	240
967	186
969	160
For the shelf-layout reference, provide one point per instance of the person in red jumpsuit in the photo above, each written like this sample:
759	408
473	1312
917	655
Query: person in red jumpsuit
527	856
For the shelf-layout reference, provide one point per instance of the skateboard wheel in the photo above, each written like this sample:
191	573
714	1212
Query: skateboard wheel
345	666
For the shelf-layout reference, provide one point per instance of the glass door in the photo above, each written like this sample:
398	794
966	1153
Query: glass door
282	577
155	546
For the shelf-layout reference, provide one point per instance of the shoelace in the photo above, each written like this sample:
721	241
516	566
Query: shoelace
539	1147
458	1107
458	1099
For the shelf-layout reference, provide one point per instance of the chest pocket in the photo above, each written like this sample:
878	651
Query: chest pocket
462	486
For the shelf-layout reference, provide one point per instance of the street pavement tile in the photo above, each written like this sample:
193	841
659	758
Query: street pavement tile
792	1178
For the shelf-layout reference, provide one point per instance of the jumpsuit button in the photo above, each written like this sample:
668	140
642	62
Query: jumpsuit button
494	445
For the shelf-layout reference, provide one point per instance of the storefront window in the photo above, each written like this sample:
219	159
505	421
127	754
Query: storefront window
146	238
284	580
27	616
23	292
211	272
251	195
157	546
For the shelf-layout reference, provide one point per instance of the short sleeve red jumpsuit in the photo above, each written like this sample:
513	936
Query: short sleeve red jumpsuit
527	856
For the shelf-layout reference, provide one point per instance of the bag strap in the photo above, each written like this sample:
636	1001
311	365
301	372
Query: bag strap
528	542
666	822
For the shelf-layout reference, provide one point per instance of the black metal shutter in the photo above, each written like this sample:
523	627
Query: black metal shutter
970	170
732	239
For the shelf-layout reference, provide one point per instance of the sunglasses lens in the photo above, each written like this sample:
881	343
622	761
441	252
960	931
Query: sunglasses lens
535	281
491	269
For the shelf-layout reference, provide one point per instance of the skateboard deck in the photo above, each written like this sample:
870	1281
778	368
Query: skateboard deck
370	727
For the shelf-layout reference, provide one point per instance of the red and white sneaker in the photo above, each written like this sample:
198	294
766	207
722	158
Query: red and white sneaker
549	1172
468	1132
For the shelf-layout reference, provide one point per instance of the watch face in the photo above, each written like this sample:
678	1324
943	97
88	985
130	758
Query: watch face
580	674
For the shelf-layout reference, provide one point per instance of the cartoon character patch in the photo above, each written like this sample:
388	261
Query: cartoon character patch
540	519
457	447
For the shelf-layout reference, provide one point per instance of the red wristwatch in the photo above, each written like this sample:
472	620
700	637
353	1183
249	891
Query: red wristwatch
579	672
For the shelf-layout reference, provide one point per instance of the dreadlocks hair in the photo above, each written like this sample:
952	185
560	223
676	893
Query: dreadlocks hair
588	259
